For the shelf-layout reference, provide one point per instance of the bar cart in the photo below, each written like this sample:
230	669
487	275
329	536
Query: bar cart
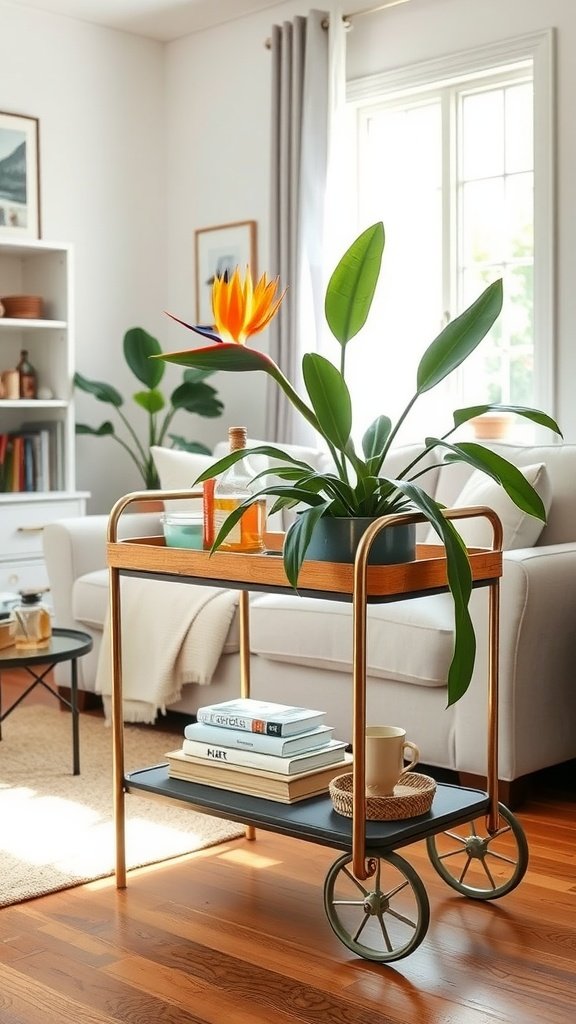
374	899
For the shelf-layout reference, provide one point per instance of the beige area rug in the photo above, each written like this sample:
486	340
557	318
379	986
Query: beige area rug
57	830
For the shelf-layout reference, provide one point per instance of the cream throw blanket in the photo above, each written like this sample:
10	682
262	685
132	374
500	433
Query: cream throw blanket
174	639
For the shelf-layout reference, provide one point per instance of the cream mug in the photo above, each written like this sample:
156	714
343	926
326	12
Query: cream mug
386	747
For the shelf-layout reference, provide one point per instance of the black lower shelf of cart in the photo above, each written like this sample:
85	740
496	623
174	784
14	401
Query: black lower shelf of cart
313	819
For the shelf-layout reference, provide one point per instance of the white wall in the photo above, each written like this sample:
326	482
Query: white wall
218	142
218	121
142	144
99	95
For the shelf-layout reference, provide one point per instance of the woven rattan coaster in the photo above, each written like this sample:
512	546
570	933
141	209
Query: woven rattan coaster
413	795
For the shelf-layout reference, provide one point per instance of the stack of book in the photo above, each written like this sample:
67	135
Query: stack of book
259	748
32	459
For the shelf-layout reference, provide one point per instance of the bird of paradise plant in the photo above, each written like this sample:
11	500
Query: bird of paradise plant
357	486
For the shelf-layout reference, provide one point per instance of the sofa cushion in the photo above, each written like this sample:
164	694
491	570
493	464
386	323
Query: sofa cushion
520	530
560	462
177	470
411	640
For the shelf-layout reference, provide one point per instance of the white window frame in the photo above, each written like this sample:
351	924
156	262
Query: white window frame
539	49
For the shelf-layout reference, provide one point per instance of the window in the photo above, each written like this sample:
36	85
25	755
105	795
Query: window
447	158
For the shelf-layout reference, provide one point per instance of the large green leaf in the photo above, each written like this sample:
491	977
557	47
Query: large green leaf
366	494
194	376
460	584
104	430
376	496
227	356
463	415
330	398
238	359
103	392
138	347
353	283
198	398
376	436
297	540
374	444
263	449
505	473
152	401
459	339
344	501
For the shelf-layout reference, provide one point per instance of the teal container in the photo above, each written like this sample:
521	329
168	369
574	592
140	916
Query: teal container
336	540
183	529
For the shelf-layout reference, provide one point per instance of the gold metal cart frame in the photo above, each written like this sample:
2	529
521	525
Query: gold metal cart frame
362	584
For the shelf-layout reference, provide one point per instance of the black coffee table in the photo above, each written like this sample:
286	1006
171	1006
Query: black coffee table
65	645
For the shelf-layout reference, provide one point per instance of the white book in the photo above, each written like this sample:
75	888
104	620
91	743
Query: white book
284	746
331	753
261	716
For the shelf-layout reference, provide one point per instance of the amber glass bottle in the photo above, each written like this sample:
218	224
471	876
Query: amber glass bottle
27	376
233	487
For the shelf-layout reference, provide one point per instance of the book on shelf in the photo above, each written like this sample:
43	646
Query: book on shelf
261	716
32	458
51	436
331	753
283	746
287	789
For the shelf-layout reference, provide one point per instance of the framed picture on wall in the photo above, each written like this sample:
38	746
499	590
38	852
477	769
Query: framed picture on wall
219	250
19	177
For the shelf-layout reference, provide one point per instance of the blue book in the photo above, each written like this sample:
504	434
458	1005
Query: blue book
283	746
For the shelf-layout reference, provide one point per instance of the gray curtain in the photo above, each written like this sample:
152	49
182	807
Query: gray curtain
300	119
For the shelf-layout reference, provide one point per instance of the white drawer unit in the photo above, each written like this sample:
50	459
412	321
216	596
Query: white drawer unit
22	520
21	524
15	577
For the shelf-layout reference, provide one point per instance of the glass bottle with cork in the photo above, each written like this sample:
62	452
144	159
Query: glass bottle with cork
230	490
28	379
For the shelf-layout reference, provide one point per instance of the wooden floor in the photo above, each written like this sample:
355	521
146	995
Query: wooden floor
237	934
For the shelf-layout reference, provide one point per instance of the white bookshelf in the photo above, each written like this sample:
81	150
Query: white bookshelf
46	269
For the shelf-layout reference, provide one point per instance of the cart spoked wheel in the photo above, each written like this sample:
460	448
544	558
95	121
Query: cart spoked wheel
383	918
478	864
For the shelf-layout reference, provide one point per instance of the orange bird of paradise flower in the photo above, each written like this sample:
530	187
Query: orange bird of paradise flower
241	309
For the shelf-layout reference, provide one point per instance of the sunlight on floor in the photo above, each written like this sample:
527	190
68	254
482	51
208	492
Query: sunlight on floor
34	839
248	859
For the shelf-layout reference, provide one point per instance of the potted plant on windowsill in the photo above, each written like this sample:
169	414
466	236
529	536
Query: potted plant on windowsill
357	486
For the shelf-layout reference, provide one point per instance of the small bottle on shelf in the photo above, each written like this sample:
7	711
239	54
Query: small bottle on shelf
33	624
231	489
27	376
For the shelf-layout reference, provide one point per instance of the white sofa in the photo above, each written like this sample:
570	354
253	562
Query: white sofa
302	648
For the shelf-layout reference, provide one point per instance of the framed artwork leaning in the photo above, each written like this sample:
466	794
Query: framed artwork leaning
19	177
219	250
